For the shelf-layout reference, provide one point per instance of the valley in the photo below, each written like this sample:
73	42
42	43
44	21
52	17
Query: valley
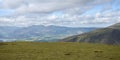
39	33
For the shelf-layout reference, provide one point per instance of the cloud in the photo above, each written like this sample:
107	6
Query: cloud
68	12
63	20
40	6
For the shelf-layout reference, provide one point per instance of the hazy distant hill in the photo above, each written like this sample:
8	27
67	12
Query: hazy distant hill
39	32
109	35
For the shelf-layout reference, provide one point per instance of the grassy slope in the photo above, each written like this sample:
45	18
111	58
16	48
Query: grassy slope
58	51
108	35
105	35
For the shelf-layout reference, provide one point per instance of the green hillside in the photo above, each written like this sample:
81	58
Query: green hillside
58	51
109	35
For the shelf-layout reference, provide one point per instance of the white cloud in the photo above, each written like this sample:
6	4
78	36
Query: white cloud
40	6
64	20
39	12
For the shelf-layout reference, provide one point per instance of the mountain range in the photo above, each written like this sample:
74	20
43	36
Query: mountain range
109	35
39	33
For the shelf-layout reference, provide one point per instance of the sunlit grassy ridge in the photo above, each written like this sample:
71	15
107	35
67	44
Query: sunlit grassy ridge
58	51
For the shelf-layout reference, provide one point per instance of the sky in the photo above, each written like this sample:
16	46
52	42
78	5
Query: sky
69	13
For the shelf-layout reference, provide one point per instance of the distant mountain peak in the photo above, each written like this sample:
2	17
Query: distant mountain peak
38	32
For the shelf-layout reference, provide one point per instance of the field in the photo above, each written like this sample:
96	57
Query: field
58	51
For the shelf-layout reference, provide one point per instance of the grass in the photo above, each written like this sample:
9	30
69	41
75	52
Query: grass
58	51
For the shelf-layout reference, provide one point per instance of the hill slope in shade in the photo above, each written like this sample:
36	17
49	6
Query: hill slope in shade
58	51
109	35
